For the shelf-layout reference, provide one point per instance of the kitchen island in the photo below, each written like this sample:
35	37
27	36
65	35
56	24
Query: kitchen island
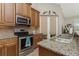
55	48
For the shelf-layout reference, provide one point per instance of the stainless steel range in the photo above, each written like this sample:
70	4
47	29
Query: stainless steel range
25	40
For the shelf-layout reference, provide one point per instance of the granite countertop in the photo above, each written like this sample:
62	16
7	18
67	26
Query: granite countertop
5	36
68	49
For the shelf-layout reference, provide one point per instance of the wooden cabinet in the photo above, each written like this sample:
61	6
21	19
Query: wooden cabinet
9	47
36	39
35	18
1	50
8	14
43	52
1	21
23	9
46	52
0	13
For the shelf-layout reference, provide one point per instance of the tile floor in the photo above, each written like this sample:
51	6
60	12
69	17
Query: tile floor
34	53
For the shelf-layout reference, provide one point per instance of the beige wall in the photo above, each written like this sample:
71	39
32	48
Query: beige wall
71	20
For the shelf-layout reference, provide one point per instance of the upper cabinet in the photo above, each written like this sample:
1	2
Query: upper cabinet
35	18
8	14
23	9
1	14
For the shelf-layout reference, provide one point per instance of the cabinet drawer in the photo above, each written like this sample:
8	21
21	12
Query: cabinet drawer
1	41
12	40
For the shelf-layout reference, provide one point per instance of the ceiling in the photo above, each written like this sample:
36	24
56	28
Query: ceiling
70	9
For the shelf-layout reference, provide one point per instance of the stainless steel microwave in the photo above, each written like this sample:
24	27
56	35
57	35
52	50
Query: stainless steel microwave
21	20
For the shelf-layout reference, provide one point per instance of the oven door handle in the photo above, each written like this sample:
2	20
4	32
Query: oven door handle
22	37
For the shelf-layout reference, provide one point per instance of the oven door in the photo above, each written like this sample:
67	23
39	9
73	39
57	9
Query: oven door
24	43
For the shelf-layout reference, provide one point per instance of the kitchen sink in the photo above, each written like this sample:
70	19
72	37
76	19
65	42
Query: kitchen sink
64	38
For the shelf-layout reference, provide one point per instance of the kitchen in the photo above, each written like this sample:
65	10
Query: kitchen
23	29
15	19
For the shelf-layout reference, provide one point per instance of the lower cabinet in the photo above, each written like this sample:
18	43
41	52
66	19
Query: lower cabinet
1	50
10	50
46	52
37	38
9	47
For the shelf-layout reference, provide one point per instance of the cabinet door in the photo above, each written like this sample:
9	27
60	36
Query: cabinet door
33	17
23	9
29	10
11	49
1	16
43	52
8	14
1	50
0	13
19	8
37	19
26	10
36	39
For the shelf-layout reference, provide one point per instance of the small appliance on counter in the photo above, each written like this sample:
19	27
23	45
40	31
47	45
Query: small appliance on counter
68	29
25	40
33	32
